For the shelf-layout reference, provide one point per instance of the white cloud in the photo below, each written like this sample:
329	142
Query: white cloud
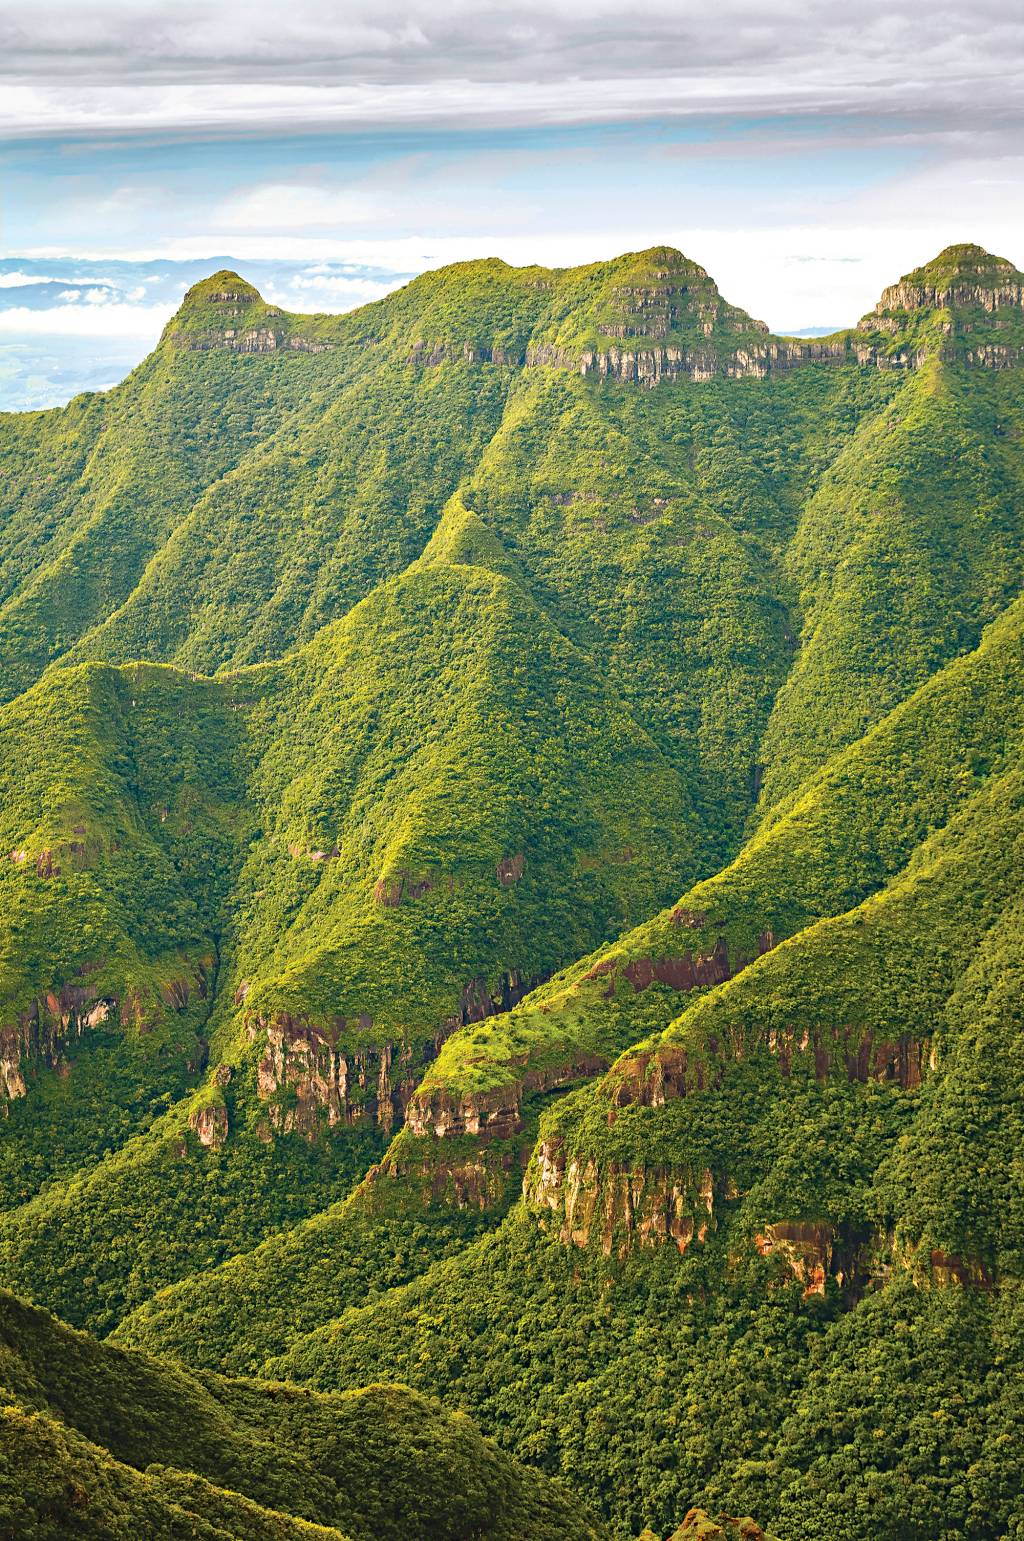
291	206
22	280
326	292
110	320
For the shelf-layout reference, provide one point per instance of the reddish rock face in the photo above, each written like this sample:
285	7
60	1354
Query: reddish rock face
42	1032
467	1182
806	1246
326	1085
617	1208
684	973
696	920
699	1526
687	971
211	1125
495	1114
392	891
510	869
948	1269
657	1075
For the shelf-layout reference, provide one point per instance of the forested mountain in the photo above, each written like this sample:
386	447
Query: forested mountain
511	821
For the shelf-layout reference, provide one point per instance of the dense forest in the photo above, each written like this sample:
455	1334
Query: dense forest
511	940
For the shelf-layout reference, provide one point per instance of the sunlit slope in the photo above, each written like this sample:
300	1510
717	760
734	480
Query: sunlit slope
420	831
877	946
123	818
119	473
758	1194
652	525
909	546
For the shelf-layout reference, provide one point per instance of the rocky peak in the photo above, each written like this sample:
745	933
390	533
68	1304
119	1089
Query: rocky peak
226	290
648	316
965	305
658	292
224	311
960	276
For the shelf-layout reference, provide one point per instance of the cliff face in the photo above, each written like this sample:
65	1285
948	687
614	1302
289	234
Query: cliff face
497	1112
311	1074
966	306
41	1034
225	312
308	1080
615	1207
653	1077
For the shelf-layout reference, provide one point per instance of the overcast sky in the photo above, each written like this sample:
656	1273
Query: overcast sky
805	153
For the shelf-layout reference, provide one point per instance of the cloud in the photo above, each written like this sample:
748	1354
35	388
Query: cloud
22	280
276	206
144	322
143	64
318	291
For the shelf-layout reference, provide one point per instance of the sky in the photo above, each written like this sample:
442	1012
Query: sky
805	153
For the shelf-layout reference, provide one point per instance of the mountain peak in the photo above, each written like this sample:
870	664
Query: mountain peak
225	293
226	311
959	277
963	265
965	304
656	306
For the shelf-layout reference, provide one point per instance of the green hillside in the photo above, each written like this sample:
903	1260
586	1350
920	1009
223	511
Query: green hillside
103	1442
510	829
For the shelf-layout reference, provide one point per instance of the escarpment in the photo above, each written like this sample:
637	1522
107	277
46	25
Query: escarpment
495	1113
310	1076
346	1073
224	312
598	996
671	324
42	1033
44	1029
652	1077
616	1207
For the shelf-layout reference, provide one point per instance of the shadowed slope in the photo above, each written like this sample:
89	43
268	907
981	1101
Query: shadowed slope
145	1443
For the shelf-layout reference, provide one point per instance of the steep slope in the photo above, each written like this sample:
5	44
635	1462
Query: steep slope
535	600
718	1210
912	542
125	468
419	834
456	1165
119	843
104	1440
652	525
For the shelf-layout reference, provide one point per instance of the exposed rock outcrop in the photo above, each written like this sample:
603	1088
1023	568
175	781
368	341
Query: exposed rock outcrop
42	1032
226	312
698	1525
616	1207
683	971
210	1123
655	1076
417	1173
308	1080
497	1112
806	1246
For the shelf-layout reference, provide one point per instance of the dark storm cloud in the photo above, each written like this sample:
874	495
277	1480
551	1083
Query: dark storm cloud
69	64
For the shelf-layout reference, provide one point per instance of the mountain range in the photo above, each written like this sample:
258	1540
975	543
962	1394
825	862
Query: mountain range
511	827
